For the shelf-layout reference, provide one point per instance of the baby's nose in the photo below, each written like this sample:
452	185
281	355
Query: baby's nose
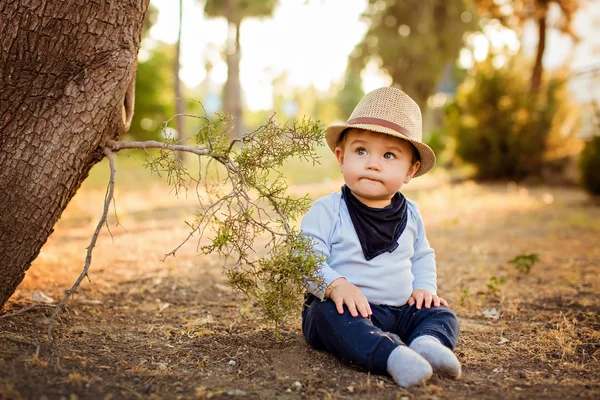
373	162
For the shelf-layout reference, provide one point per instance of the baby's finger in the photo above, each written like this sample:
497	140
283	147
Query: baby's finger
411	301
362	309
428	300
339	305
443	302
351	307
419	300
369	309
436	301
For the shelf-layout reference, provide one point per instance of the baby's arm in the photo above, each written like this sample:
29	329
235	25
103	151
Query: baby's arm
423	269
319	225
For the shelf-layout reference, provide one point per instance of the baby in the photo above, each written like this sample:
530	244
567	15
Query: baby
380	309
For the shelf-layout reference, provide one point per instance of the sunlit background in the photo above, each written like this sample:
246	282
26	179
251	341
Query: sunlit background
317	58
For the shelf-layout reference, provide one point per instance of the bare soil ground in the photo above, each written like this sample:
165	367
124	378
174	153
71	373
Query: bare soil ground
150	329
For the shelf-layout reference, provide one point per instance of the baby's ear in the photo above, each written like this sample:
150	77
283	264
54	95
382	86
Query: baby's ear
412	171
339	154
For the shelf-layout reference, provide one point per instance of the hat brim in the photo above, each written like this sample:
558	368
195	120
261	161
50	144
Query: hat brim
333	132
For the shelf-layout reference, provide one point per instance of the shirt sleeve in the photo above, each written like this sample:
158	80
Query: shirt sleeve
319	225
423	259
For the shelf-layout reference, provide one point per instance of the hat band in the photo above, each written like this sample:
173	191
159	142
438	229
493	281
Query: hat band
380	122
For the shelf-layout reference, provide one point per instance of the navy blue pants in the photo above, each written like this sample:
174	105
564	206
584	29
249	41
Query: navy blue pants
368	342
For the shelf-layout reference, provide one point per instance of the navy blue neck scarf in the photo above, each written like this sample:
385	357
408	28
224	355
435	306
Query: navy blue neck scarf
378	229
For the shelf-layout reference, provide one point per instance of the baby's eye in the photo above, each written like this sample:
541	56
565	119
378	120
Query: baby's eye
389	156
360	151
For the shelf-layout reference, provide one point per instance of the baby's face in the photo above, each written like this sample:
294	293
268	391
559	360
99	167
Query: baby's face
375	165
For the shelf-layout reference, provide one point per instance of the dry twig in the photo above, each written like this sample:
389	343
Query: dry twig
88	259
23	341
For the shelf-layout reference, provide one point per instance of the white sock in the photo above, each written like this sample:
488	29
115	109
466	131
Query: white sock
441	358
407	367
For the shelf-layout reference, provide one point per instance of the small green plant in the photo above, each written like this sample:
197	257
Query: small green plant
494	284
524	262
465	296
243	199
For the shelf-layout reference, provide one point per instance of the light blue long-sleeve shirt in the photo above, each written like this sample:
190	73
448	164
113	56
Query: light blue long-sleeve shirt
388	278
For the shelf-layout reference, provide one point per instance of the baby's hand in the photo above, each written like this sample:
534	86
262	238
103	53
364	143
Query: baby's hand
341	292
426	298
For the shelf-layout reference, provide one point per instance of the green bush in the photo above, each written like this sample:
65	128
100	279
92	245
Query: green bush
589	166
503	129
437	140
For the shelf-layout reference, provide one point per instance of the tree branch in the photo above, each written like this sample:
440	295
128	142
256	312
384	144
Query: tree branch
88	259
152	144
24	310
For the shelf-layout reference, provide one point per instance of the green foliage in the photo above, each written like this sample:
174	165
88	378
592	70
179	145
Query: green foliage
437	140
465	297
494	285
244	200
154	93
589	166
283	276
414	40
352	91
504	130
149	20
524	262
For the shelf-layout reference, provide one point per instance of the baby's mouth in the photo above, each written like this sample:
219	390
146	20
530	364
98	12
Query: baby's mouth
370	179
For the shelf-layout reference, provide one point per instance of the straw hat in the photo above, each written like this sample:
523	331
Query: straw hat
391	111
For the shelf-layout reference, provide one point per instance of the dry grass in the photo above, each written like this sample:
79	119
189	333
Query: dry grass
152	329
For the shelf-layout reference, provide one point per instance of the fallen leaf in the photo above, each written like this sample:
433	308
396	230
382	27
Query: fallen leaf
490	313
503	340
42	298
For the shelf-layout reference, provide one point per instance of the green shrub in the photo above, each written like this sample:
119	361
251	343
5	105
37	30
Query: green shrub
504	130
589	166
437	140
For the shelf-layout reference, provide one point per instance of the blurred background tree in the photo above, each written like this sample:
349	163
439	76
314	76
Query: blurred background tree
235	11
352	91
506	131
154	93
589	162
515	13
414	40
150	20
153	88
179	102
414	45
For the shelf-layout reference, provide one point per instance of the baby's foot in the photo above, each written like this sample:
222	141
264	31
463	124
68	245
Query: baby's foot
441	358
407	367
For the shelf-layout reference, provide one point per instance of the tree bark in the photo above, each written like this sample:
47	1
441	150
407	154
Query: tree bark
67	73
538	68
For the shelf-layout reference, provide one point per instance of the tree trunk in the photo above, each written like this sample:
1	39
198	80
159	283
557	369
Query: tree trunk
233	91
67	71
178	96
538	68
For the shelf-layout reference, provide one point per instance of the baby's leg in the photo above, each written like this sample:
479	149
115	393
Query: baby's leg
432	332
358	341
